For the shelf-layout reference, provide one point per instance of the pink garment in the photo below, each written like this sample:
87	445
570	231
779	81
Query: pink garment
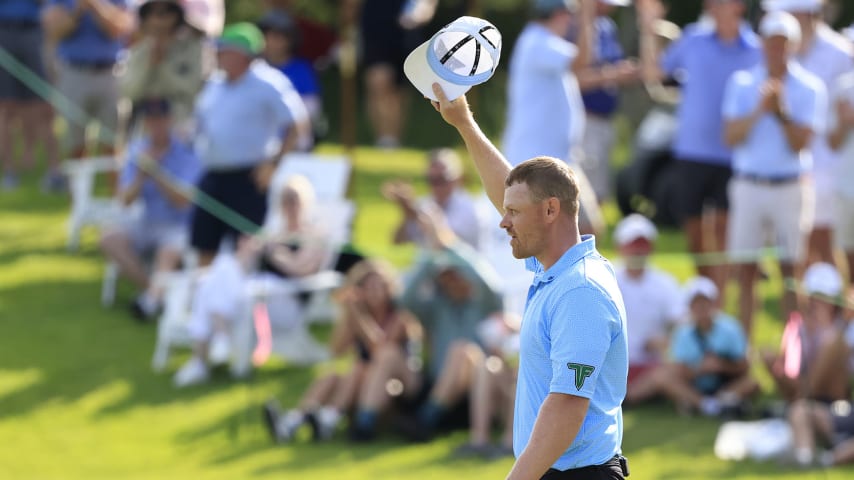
791	346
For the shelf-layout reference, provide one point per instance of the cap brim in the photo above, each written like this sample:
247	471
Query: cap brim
423	77
618	3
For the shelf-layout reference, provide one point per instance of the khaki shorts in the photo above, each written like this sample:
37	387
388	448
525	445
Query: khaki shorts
844	224
763	215
93	94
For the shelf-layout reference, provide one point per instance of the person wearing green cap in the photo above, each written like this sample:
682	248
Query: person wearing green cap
247	116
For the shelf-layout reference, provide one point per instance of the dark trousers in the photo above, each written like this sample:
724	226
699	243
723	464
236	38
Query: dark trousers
236	190
610	470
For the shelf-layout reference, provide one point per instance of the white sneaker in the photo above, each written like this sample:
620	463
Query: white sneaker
219	351
325	423
194	372
288	424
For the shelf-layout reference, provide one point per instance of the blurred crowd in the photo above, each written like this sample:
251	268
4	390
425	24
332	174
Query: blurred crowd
199	116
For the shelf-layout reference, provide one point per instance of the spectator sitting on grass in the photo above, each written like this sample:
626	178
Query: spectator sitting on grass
444	175
373	326
709	371
156	166
801	369
221	299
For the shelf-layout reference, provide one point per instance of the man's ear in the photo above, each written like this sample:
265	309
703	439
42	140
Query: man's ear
552	208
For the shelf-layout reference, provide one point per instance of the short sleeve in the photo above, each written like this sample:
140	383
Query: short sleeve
130	170
554	54
580	336
817	108
675	308
682	347
736	344
737	103
673	58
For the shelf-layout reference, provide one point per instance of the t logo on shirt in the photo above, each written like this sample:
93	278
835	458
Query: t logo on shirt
581	373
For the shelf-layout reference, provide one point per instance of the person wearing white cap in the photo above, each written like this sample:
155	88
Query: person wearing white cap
828	55
798	370
708	370
841	137
545	114
600	88
701	61
652	297
772	113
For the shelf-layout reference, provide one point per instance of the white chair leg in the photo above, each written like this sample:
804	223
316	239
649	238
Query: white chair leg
161	352
108	287
243	344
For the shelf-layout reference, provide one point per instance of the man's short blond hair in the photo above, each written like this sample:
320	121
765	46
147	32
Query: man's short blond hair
548	177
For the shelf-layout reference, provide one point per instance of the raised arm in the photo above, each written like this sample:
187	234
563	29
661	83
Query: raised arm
584	41
491	165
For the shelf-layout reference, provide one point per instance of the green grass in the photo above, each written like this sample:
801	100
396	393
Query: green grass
78	399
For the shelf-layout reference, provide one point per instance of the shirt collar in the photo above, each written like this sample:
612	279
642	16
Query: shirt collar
585	248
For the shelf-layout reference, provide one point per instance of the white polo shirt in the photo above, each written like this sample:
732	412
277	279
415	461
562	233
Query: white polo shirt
843	91
653	305
828	58
545	114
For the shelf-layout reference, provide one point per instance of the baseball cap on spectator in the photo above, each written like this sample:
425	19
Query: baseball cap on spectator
700	287
277	20
243	37
546	7
146	7
451	59
157	106
617	3
822	279
798	6
634	227
780	23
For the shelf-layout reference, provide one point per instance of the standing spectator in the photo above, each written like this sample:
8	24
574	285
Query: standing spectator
709	369
372	325
281	42
247	116
157	169
451	292
545	114
168	61
653	302
21	37
772	112
89	34
389	30
702	60
841	138
444	176
600	89
827	55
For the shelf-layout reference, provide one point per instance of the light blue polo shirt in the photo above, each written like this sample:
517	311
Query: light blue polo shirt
766	152
179	163
240	124
703	64
573	341
88	43
725	339
545	114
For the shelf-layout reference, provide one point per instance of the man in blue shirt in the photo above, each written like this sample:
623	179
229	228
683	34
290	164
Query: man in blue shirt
247	117
709	369
702	61
157	170
772	113
573	360
88	35
21	37
600	89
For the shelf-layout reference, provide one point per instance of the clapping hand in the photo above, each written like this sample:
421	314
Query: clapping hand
401	193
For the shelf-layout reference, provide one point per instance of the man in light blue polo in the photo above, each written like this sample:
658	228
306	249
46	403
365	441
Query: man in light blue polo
701	61
573	361
772	113
89	36
247	116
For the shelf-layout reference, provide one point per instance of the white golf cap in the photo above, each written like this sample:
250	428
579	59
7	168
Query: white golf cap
462	54
780	23
617	3
633	227
700	286
792	5
823	278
